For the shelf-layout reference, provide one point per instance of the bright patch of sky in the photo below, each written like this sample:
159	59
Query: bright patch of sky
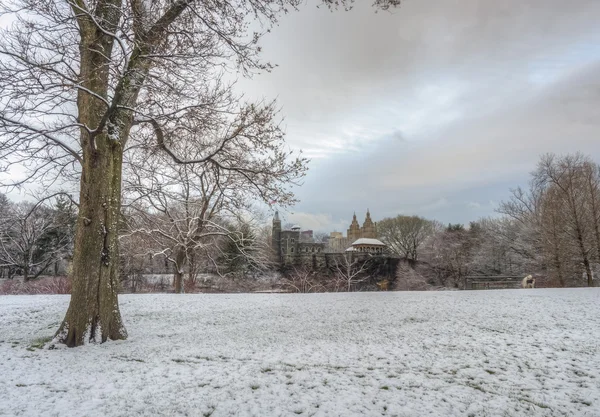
437	109
548	68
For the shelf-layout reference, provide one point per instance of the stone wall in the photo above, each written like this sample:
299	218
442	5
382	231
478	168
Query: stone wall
379	266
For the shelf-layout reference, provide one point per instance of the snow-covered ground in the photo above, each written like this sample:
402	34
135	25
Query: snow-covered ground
492	353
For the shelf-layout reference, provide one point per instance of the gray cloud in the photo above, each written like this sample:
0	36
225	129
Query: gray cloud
474	160
437	108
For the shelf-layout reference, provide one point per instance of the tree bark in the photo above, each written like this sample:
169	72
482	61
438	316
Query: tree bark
26	269
179	270
93	313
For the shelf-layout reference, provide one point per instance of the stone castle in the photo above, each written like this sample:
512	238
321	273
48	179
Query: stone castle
294	246
338	243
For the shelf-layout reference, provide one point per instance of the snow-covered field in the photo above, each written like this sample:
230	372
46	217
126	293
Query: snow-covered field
479	353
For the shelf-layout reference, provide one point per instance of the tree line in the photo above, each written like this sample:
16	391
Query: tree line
550	229
185	221
35	238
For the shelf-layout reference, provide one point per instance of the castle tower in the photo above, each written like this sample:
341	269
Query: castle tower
276	237
354	230
369	229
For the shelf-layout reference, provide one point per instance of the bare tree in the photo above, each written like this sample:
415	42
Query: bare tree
522	230
566	178
591	178
554	224
490	254
351	269
80	78
409	279
186	210
554	236
4	205
320	237
6	266
405	235
136	259
32	238
449	254
302	280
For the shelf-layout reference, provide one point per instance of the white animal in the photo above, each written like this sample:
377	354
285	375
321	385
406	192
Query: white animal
528	282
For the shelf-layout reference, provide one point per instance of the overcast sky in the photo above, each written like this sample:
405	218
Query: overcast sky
436	109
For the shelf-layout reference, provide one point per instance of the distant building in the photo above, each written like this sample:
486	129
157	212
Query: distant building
295	246
368	229
367	245
290	244
337	243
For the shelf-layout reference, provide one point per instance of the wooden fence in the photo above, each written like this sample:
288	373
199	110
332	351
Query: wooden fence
497	282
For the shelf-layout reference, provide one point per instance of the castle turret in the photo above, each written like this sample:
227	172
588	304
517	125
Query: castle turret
369	229
354	230
276	237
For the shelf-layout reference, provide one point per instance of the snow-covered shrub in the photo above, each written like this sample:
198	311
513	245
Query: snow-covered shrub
407	279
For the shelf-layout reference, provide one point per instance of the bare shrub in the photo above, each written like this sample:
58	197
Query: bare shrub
44	285
407	279
350	271
302	280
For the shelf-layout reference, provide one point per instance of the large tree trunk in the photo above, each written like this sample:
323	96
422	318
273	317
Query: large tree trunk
93	313
180	259
26	270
